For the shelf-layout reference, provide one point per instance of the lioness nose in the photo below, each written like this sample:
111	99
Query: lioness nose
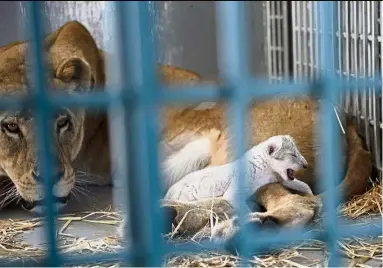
36	175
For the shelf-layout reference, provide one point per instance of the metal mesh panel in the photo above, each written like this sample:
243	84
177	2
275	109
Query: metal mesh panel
358	46
277	53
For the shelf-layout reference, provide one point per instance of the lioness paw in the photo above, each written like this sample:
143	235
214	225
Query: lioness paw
121	230
318	206
224	230
218	146
227	229
214	135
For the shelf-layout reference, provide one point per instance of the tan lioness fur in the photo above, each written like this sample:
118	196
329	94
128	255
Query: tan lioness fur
77	62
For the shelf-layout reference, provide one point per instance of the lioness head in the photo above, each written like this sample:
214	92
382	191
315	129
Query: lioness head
73	62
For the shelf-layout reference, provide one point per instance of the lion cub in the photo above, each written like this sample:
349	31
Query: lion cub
273	160
184	154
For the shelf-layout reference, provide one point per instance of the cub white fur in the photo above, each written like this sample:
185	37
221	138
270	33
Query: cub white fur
273	160
193	156
182	155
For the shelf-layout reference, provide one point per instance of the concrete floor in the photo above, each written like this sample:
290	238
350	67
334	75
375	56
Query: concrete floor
101	199
98	198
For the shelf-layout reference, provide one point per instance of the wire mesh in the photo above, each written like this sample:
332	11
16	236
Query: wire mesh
357	53
277	52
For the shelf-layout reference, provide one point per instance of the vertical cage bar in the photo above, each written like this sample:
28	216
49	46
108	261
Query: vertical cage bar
299	41
269	42
376	116
286	39
364	59
142	134
295	53
305	36
274	46
371	57
334	27
116	122
355	60
317	37
42	113
233	69
311	43
347	52
340	45
278	29
329	132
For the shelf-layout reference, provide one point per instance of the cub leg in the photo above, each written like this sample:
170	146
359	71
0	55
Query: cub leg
298	186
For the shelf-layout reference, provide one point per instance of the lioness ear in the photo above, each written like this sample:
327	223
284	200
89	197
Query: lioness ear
77	72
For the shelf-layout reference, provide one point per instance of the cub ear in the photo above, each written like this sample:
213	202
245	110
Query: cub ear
77	72
271	149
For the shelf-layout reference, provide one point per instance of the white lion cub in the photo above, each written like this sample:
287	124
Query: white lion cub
273	160
184	154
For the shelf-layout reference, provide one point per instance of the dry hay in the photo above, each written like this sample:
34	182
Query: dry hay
9	242
358	251
12	246
366	204
292	257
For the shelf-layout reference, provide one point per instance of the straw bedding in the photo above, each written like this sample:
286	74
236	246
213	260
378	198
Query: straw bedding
357	252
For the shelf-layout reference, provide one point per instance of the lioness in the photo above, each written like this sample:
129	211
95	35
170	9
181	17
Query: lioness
82	138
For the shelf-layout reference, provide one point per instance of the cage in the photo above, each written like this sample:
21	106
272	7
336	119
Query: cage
357	54
284	40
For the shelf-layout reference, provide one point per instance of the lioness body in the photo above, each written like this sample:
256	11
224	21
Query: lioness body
77	62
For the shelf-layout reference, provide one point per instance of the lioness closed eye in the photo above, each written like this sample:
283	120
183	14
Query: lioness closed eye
18	143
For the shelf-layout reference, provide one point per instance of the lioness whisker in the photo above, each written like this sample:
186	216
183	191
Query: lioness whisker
15	196
11	196
75	194
82	174
7	192
81	190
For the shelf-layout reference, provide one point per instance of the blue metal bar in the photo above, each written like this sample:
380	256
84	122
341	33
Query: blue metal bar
233	69
44	138
328	167
145	218
255	88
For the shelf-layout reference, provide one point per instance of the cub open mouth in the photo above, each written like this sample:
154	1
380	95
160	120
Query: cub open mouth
29	205
290	174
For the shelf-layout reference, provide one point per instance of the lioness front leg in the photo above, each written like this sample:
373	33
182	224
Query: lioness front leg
227	229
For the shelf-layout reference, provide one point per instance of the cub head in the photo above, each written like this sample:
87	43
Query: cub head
284	156
69	73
